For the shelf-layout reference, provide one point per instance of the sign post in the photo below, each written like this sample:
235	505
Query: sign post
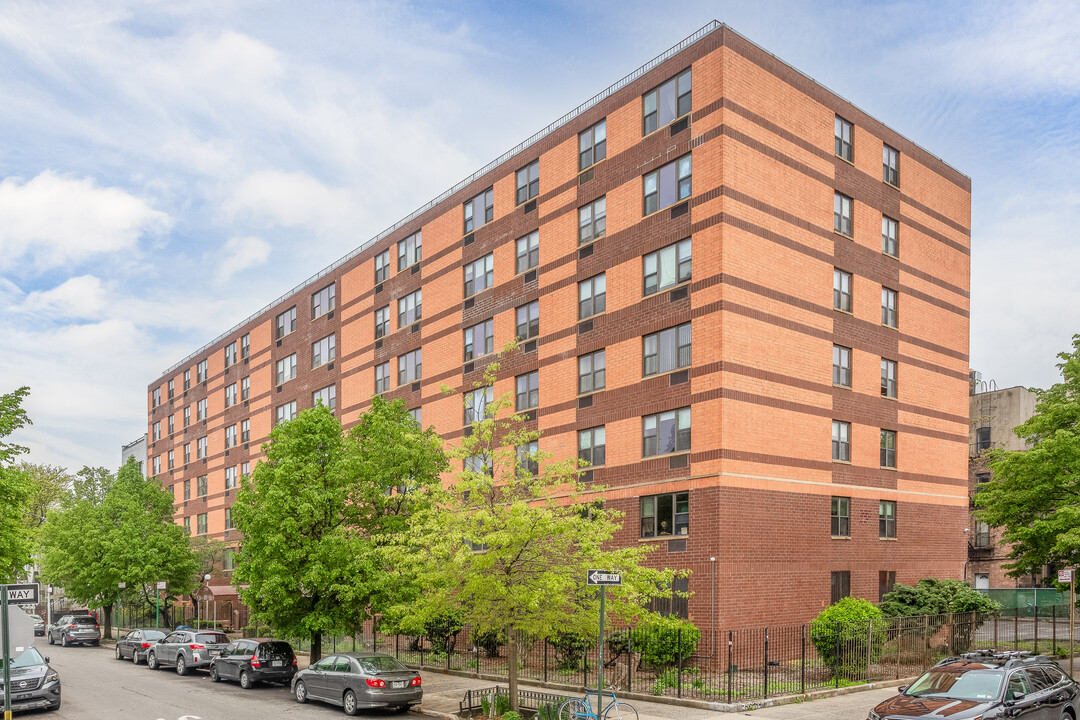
119	586
157	600
602	579
1066	576
21	595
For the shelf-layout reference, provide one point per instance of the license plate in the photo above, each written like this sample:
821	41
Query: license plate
24	696
399	684
277	663
214	653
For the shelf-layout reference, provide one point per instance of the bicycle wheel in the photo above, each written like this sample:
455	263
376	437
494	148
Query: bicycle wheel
575	709
619	710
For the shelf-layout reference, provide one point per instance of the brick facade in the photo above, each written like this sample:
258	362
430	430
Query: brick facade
759	469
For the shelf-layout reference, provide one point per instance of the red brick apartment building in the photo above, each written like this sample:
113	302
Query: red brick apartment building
742	297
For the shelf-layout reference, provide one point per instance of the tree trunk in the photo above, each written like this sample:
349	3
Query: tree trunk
316	648
108	621
512	661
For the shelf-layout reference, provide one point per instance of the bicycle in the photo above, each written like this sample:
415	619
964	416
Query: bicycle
583	708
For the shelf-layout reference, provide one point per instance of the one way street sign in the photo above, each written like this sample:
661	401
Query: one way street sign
600	577
21	594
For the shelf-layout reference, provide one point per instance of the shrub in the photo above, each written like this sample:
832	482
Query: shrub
502	705
511	716
663	640
940	598
548	711
489	641
442	630
844	635
569	650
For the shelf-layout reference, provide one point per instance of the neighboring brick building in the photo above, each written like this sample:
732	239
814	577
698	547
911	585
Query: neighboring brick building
809	433
994	415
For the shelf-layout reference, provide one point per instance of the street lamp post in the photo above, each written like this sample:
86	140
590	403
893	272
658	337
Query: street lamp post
206	581
712	608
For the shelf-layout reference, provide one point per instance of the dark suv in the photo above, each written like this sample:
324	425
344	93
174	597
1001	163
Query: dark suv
987	684
71	629
34	684
255	660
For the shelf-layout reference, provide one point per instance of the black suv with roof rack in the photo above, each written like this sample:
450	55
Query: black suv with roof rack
987	685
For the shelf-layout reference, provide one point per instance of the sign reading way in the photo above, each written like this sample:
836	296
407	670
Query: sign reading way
22	594
600	577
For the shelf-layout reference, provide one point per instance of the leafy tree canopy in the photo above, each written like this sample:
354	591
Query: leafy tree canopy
935	597
15	490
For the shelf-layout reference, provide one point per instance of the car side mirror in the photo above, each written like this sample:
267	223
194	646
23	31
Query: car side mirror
1016	697
46	659
902	689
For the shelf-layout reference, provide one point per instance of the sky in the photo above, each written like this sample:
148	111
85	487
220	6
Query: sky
169	168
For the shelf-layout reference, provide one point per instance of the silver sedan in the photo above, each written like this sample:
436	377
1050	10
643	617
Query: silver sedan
357	681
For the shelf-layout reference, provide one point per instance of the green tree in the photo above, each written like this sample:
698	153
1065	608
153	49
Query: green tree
15	490
317	511
509	548
49	484
1035	493
126	534
940	600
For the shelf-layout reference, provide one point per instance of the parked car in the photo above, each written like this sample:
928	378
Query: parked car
249	661
39	625
186	650
34	685
359	680
137	643
71	629
986	684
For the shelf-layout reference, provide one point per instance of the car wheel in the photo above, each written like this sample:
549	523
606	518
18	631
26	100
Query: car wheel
119	655
214	677
181	666
245	680
135	656
151	661
350	702
63	640
300	691
51	640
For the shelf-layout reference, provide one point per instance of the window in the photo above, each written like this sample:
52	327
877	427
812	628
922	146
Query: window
172	459
327	396
841	292
480	464
230	479
666	350
528	182
230	354
157	431
286	369
886	580
479	340
841	441
528	252
479	275
245	469
286	412
668	185
172	389
592	296
245	345
230	395
187	525
890	244
480	210
229	559
592	221
245	388
982	439
982	534
200	409
187	453
201	446
841	585
418	415
888	307
591	445
187	380
410	367
888	378
592	145
382	377
323	351
286	322
202	523
842	214
887	519
667	514
666	432
888	448
245	431
382	266
201	488
172	424
476	402
842	129
382	322
841	365
324	301
528	391
409	251
230	436
157	465
667	267
890	165
591	372
201	371
528	320
187	416
410	308
527	464
841	517
675	605
187	490
981	478
156	397
666	103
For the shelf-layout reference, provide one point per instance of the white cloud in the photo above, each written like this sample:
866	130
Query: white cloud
77	297
54	221
292	199
241	253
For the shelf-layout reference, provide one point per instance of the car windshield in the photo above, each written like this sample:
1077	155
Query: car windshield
83	620
374	665
36	618
212	638
152	635
275	648
29	657
958	684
